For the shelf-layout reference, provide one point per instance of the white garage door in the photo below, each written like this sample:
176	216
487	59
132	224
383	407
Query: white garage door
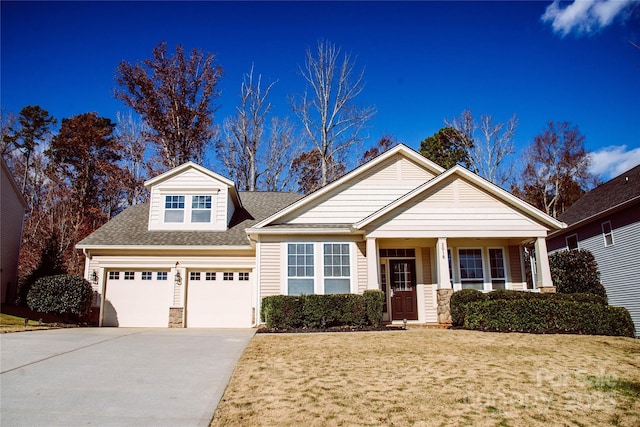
137	299
219	299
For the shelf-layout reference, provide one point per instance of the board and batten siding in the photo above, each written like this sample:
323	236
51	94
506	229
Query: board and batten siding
270	269
190	182
618	264
374	190
457	206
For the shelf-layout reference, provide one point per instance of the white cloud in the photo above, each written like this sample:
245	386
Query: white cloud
610	162
584	16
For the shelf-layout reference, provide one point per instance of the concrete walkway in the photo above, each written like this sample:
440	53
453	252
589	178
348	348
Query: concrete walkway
116	376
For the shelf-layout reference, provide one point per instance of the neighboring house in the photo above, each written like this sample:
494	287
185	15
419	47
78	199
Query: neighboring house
606	221
12	211
202	254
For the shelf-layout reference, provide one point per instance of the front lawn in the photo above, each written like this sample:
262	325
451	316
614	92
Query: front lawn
434	377
10	323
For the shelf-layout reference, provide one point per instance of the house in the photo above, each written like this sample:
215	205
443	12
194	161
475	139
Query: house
606	221
12	211
202	254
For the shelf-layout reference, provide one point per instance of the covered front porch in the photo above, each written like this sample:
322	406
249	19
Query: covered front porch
419	275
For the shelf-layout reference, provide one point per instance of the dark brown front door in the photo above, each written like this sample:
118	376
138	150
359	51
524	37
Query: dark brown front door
404	304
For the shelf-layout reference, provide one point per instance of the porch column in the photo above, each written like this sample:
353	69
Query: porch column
444	290
543	270
442	264
373	275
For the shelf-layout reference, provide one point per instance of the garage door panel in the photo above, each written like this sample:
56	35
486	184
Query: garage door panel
219	304
137	303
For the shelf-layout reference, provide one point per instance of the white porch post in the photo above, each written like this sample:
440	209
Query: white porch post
543	270
442	264
373	274
444	290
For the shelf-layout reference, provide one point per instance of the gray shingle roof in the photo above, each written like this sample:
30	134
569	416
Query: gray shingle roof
130	227
619	190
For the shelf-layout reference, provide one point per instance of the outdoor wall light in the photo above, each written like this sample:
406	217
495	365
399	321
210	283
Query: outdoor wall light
178	277
94	277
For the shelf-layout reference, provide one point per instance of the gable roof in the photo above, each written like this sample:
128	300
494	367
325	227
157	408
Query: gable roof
308	199
491	188
130	227
191	165
614	194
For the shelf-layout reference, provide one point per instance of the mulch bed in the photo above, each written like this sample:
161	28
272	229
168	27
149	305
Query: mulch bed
330	329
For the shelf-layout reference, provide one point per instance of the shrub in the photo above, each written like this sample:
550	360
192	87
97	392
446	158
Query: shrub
545	315
322	311
374	302
458	303
576	271
282	311
63	294
514	295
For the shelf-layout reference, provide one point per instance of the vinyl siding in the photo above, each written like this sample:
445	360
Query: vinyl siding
430	309
457	205
11	214
515	268
190	182
362	266
270	269
618	264
374	190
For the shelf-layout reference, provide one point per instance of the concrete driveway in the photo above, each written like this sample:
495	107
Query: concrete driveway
116	376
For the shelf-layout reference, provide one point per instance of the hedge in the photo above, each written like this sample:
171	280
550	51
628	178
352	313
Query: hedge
62	294
460	299
545	315
322	311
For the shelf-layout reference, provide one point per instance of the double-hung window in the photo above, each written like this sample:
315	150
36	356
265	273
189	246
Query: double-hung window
471	269
337	268
498	275
300	268
572	242
174	209
607	233
201	209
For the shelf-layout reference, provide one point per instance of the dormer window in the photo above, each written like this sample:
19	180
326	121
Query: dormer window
174	209
201	209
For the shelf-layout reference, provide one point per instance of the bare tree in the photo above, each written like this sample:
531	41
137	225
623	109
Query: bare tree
557	169
279	156
326	109
489	144
244	133
174	96
131	134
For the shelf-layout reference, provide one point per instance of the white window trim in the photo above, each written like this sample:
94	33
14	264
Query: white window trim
566	241
188	208
505	263
483	257
318	265
604	234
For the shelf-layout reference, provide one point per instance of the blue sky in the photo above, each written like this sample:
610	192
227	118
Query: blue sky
424	61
